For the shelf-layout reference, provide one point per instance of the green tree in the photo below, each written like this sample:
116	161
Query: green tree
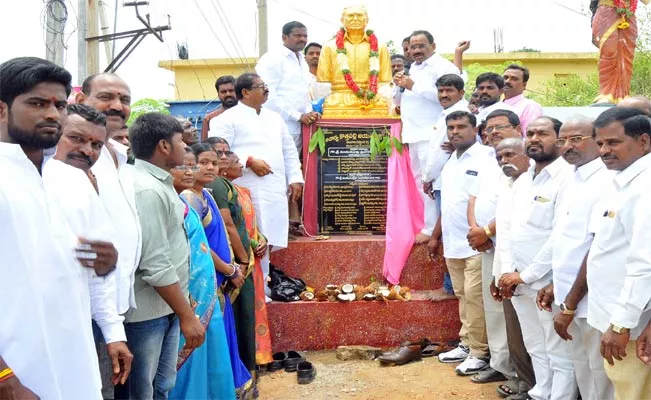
146	105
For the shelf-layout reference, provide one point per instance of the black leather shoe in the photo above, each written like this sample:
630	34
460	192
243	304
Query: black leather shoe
278	362
292	360
305	372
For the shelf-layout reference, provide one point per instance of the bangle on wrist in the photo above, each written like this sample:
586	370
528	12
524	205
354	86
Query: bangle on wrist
6	374
487	229
232	274
248	162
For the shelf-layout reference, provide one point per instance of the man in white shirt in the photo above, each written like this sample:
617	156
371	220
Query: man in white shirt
261	140
46	340
534	212
71	191
515	82
110	95
420	110
619	260
461	174
481	217
287	75
490	87
566	250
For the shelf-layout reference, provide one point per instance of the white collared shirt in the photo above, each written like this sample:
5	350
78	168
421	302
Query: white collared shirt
288	77
619	261
71	195
503	211
420	107
460	177
45	329
571	238
534	213
485	111
116	192
437	157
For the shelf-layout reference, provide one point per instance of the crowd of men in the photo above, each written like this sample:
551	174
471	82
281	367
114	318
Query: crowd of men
542	223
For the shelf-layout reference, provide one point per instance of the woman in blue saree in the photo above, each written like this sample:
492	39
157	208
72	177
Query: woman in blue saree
226	271
205	372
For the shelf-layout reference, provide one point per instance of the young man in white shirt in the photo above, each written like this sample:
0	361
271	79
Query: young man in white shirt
46	340
287	75
534	212
419	111
619	260
490	87
461	174
565	251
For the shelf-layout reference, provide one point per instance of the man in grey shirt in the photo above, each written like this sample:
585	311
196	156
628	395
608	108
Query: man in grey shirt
161	280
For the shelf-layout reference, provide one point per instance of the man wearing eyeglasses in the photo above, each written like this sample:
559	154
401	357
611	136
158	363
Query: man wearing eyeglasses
262	141
535	210
565	252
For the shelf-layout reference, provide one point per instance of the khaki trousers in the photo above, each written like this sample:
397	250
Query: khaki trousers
467	283
630	377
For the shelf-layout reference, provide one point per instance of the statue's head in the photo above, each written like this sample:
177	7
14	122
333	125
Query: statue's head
354	18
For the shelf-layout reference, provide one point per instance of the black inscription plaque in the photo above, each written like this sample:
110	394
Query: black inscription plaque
352	188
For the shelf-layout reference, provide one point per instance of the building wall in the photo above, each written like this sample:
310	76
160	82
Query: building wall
195	79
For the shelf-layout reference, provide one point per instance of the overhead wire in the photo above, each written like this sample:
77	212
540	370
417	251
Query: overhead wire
230	32
329	22
214	33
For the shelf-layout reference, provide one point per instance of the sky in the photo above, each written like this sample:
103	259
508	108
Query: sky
545	25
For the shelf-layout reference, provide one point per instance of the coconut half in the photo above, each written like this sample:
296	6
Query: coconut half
347	288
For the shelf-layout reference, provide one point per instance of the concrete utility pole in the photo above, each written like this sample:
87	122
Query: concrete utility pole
262	27
54	27
105	30
82	33
92	47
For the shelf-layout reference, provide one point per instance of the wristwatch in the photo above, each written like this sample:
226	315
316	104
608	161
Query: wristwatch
565	310
619	329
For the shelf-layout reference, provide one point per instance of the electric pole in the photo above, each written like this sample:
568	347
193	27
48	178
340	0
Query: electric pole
262	27
92	47
82	33
105	30
54	27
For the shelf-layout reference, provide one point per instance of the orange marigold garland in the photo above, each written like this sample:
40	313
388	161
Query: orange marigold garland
374	65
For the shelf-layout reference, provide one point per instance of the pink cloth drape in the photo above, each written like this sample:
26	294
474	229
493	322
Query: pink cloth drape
404	212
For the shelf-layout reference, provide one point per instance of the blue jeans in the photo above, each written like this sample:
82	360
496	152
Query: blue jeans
447	281
155	348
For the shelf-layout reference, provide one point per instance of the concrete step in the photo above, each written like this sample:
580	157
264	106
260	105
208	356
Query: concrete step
354	259
326	325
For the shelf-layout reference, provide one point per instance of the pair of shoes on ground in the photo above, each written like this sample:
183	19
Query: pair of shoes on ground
414	351
293	361
470	365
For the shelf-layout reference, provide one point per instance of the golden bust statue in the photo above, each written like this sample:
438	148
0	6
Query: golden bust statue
355	59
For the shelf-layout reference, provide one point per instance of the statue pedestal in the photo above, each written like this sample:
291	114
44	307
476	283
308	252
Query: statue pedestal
345	191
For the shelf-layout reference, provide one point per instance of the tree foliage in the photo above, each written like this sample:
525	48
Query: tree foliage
146	105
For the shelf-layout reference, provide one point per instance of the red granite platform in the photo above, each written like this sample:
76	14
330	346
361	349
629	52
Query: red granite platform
356	259
325	325
353	259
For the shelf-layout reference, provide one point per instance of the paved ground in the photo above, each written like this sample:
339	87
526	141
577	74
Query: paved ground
367	380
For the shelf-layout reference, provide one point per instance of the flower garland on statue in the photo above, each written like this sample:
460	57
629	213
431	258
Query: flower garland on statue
374	65
625	8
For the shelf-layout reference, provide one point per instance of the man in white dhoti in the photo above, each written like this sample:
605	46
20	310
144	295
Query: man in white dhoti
46	341
72	192
261	140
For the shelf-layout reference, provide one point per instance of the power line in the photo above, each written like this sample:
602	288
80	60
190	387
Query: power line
305	13
214	33
569	8
230	32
